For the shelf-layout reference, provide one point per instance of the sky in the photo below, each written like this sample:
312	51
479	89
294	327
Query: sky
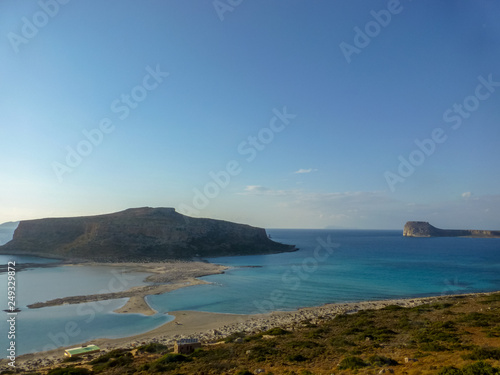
282	114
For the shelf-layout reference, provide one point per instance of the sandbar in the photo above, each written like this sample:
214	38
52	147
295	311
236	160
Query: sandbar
164	277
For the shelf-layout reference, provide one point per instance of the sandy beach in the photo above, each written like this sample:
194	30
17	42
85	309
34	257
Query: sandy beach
211	327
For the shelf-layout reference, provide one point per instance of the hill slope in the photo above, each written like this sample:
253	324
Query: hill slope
138	234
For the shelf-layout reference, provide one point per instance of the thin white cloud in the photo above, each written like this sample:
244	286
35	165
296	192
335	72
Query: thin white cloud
467	194
261	190
300	171
256	189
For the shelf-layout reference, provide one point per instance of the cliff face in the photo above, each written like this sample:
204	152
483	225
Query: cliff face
424	229
138	234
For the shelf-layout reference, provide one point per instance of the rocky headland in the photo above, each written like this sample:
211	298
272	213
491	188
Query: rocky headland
424	229
137	235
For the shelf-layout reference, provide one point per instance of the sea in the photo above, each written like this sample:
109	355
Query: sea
331	266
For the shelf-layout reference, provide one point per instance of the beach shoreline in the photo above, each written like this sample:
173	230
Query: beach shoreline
210	327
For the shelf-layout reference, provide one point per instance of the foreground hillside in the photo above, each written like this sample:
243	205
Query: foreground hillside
455	336
136	235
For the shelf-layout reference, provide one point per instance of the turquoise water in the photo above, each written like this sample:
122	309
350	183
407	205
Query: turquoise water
366	265
352	266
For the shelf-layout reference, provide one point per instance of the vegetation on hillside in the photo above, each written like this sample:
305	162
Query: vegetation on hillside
458	337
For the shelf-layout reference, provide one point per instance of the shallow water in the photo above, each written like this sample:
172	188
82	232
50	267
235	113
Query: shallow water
51	327
366	265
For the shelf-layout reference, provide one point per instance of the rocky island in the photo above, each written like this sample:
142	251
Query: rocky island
424	229
136	235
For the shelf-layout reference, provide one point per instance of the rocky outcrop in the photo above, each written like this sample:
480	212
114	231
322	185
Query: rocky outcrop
424	229
137	235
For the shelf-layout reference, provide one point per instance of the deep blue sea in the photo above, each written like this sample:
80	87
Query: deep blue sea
331	266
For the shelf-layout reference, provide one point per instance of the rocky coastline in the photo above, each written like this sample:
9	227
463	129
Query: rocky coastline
424	229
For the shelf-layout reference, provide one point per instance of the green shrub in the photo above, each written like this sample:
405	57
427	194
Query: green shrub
172	358
483	353
449	370
493	332
440	306
276	332
443	325
380	334
117	353
352	363
213	355
167	362
479	368
422	308
378	360
234	336
153	347
404	323
432	337
393	308
302	344
341	342
116	362
317	333
432	347
297	358
476	319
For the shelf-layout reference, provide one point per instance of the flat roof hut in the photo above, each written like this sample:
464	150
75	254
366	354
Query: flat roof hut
82	350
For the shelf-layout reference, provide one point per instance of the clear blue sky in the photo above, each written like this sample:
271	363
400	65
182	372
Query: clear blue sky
176	88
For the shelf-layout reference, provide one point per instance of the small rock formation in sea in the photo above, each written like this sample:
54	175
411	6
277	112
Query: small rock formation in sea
138	234
424	229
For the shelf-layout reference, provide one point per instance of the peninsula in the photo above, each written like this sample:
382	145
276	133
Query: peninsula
138	235
424	229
